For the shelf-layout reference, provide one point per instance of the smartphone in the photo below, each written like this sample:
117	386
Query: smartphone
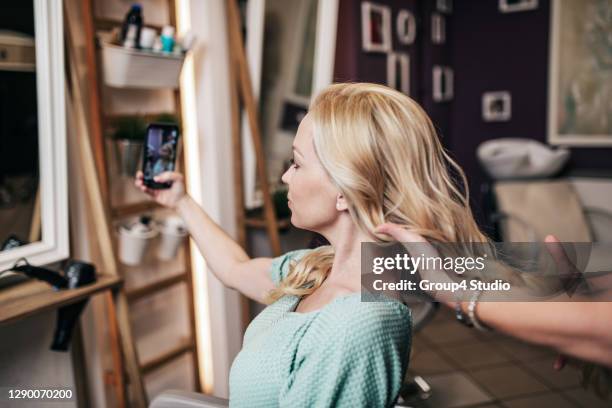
160	151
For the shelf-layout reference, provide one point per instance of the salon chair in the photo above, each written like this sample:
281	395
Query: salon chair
423	310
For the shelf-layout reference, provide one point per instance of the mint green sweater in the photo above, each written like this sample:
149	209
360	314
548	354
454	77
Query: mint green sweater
350	353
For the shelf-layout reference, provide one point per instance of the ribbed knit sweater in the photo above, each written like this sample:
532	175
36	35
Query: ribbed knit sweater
350	353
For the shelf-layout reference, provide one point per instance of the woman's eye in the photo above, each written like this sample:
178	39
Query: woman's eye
294	164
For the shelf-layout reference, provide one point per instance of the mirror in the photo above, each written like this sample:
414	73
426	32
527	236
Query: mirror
33	179
19	209
291	58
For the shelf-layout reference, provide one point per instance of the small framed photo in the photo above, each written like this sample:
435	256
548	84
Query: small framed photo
496	106
510	6
398	71
406	27
442	83
438	28
375	27
444	6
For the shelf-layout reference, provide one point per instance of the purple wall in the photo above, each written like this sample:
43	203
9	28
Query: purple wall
488	51
353	64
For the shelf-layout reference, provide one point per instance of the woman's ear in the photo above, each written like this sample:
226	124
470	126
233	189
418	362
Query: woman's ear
341	204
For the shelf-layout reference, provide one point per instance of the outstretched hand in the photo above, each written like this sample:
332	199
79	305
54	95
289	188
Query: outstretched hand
167	197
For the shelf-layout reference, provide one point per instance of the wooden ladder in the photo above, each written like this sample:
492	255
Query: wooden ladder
99	123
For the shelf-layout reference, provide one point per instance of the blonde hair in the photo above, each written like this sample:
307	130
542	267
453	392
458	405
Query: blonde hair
382	151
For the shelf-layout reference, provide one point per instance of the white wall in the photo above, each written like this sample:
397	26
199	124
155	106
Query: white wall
26	361
210	160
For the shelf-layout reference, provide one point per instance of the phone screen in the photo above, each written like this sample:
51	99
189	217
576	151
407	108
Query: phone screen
159	152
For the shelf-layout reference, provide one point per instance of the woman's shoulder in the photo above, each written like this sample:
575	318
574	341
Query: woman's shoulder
280	265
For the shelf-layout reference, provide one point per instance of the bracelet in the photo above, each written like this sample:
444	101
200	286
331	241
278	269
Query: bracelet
472	313
462	317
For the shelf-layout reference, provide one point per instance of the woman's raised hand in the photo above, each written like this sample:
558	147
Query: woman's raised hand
167	197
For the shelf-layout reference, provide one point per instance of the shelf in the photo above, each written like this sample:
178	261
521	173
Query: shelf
148	117
29	298
255	222
184	347
126	210
138	293
108	24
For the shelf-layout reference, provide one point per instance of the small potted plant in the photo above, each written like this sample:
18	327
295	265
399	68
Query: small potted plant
167	117
128	135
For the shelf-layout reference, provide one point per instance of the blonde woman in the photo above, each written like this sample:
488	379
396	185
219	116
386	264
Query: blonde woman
363	156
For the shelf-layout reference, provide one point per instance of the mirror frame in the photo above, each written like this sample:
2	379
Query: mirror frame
53	174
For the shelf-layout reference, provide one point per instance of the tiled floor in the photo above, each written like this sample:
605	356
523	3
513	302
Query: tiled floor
467	368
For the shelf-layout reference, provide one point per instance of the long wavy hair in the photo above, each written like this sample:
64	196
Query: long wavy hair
381	150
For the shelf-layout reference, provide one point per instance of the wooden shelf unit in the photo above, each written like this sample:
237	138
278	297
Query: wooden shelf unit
100	121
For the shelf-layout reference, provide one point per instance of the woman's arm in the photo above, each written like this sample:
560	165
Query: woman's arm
227	260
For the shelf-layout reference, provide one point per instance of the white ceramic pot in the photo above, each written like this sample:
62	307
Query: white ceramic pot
133	244
173	232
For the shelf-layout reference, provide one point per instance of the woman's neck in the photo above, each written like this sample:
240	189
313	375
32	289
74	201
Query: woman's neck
346	239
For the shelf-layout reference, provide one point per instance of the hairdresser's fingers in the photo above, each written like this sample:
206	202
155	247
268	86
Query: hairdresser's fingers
560	362
399	233
412	241
168	176
417	245
555	249
570	276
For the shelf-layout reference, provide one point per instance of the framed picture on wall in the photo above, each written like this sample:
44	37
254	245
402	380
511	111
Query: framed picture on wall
510	6
444	6
580	80
398	71
496	106
438	28
442	83
375	27
406	27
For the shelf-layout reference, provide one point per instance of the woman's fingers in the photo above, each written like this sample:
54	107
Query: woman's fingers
140	185
168	176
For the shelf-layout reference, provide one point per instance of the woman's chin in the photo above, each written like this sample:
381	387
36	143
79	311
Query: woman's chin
293	220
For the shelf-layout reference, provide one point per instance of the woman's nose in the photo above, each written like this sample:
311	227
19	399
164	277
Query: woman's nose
285	178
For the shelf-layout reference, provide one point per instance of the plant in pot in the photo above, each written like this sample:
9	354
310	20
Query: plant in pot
128	134
167	117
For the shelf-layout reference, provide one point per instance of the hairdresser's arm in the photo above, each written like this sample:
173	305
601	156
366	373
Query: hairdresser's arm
228	261
579	329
